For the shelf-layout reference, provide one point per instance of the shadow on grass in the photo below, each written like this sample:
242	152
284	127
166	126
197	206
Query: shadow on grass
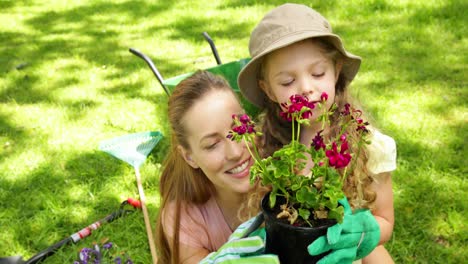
75	31
8	132
430	187
191	28
48	193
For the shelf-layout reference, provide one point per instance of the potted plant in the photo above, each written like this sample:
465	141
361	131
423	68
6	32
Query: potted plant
302	207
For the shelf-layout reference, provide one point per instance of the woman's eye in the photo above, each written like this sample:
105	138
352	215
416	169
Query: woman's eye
211	146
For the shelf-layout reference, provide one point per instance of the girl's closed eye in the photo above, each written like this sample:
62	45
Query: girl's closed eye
318	75
287	82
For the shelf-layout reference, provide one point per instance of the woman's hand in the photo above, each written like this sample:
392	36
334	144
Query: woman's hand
240	250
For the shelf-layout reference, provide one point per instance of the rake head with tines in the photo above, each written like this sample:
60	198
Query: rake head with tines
133	149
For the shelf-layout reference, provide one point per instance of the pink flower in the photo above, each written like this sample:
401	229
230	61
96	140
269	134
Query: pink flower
343	137
244	119
338	159
296	105
324	97
244	125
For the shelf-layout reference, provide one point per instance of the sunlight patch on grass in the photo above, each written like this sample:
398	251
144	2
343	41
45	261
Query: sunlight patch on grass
448	228
13	22
28	161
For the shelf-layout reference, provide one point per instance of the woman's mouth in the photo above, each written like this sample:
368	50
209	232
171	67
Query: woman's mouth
239	168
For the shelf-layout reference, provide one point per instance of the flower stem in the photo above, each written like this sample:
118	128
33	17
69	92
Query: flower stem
294	138
255	157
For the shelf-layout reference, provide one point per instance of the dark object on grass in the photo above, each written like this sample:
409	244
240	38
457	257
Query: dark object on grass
21	66
74	238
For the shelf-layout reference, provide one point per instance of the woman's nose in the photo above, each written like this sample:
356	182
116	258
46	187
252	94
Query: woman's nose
234	150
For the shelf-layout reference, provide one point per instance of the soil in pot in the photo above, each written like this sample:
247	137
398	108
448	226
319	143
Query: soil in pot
290	242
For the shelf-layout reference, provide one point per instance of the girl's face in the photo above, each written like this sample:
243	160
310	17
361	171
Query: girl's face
300	68
226	163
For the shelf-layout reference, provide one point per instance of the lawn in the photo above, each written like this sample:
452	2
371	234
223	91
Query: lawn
68	82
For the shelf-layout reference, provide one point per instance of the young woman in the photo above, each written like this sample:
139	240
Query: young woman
205	177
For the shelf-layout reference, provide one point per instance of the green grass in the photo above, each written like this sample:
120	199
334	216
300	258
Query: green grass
67	82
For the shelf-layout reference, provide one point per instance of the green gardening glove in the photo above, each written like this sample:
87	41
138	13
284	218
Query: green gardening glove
353	239
239	250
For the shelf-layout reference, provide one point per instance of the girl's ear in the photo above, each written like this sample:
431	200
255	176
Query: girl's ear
338	67
186	154
266	89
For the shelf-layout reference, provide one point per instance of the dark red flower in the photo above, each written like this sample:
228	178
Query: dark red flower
356	115
240	130
363	127
347	110
317	141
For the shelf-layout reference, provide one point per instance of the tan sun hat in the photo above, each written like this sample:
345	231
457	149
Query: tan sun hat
282	26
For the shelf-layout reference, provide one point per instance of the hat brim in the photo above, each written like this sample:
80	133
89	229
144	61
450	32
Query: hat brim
247	79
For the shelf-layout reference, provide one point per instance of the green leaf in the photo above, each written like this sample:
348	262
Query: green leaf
304	213
272	199
337	214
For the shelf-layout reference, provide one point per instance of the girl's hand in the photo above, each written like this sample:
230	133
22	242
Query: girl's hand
353	239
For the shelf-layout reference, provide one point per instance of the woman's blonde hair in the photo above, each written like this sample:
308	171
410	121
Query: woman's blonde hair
180	184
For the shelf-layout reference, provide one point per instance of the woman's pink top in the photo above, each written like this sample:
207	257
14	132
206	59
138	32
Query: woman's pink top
201	226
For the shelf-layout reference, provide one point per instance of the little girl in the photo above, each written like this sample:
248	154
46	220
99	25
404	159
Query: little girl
294	51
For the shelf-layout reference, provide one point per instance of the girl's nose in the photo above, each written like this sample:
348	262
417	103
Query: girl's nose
306	87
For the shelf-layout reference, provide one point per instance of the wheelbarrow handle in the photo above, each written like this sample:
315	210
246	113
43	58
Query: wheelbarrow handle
213	47
152	66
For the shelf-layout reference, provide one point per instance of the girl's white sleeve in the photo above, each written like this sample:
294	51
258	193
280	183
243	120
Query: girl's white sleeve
382	153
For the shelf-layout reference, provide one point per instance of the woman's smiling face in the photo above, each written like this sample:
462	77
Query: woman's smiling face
226	163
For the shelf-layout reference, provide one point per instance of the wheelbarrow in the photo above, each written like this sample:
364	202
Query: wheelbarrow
229	71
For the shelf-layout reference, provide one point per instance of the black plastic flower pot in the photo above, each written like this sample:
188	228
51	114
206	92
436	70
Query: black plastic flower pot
287	241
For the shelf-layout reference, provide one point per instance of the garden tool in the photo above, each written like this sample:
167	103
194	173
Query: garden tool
133	149
74	238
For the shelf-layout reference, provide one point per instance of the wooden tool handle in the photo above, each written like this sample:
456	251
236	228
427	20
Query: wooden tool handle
146	217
